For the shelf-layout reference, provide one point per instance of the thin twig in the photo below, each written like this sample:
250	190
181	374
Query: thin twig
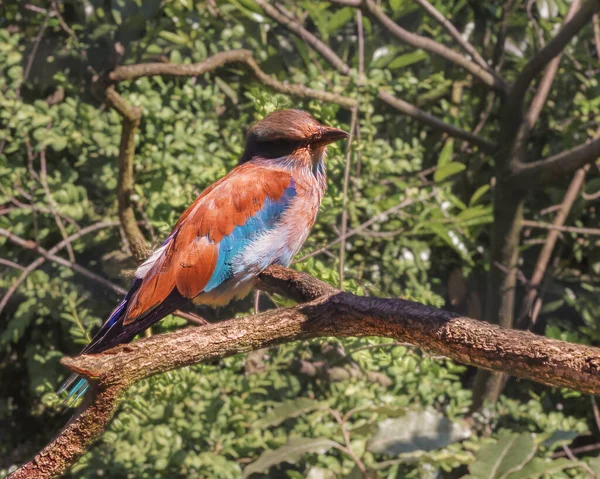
346	435
596	24
12	264
344	226
546	253
546	82
582	464
564	229
577	450
50	255
375	219
486	75
34	49
454	33
53	205
62	22
596	412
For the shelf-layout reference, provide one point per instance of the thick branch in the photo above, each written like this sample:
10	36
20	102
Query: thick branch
131	123
548	361
131	72
546	82
556	167
553	48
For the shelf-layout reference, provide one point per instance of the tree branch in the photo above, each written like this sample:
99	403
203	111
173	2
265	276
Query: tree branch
528	175
455	34
535	65
50	255
131	72
334	313
294	26
546	252
401	105
125	184
554	226
485	75
546	82
434	122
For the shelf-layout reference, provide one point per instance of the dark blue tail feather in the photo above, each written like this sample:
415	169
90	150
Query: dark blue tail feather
113	332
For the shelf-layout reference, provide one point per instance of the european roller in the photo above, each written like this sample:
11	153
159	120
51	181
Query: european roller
258	215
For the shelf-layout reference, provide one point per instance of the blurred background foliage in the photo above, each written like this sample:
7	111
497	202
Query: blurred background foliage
316	409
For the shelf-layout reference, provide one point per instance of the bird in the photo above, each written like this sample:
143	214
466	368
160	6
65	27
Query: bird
257	215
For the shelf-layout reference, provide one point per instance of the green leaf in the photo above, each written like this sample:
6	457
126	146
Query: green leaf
560	436
538	467
445	157
509	454
408	59
340	18
292	452
479	192
179	39
225	88
448	170
418	431
290	409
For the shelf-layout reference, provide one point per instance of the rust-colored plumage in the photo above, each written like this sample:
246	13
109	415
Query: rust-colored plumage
257	215
189	260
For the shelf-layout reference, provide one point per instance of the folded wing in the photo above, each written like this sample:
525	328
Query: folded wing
198	255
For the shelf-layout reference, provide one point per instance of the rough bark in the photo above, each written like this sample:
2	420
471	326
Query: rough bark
330	313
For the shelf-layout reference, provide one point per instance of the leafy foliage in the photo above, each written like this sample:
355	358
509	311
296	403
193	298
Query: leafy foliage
224	420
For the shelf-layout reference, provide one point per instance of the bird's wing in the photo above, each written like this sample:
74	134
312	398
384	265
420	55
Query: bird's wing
198	254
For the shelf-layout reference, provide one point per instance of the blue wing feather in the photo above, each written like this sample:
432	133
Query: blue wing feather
113	332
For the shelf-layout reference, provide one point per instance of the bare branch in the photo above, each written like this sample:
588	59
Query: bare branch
125	184
47	255
11	264
454	33
433	121
401	105
548	361
536	64
294	26
51	256
544	256
485	75
541	172
546	82
561	228
131	72
375	219
344	225
53	205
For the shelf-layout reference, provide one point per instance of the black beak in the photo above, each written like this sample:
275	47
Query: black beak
328	135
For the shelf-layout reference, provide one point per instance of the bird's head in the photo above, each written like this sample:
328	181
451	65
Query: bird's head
293	134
